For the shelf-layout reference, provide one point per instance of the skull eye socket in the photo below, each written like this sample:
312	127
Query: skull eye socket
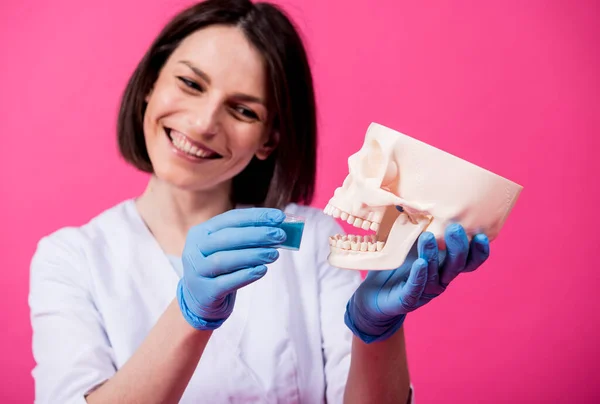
373	162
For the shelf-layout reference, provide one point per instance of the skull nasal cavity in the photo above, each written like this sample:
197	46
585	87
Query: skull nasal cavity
373	164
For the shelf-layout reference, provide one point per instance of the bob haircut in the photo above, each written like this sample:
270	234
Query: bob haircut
288	174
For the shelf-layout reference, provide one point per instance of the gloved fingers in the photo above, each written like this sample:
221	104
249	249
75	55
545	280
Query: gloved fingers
223	262
233	281
243	218
410	293
478	252
244	237
457	250
428	250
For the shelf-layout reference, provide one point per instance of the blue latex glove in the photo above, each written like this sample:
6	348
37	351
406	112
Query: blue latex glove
380	304
220	256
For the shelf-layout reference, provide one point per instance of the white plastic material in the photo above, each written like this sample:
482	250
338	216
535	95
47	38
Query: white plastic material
433	187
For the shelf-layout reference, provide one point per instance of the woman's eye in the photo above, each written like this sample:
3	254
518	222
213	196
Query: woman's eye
190	84
248	113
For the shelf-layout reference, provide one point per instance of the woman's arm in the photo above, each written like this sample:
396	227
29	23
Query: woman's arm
160	369
216	263
378	308
73	354
378	372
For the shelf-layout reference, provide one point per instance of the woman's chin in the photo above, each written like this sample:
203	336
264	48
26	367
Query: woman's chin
184	180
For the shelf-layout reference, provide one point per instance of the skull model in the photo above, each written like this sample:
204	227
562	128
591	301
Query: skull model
433	188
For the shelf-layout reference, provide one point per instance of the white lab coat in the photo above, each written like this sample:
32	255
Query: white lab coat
97	290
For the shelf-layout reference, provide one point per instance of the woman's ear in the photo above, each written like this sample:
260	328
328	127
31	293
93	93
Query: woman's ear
267	148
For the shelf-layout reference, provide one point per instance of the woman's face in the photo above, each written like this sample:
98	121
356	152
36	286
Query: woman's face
206	114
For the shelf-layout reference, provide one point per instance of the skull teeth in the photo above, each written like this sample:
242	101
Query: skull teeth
356	243
358	222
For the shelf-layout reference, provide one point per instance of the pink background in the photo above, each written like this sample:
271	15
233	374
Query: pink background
509	85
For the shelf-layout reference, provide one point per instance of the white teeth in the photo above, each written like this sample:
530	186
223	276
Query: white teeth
184	145
202	153
351	242
356	243
351	219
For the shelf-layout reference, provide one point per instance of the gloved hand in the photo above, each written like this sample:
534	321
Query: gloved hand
220	256
380	304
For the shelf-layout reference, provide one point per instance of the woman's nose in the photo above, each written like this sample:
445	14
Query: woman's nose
205	118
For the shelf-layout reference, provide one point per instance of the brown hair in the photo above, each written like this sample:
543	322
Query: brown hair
288	175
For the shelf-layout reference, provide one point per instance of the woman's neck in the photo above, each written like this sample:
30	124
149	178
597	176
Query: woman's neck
170	212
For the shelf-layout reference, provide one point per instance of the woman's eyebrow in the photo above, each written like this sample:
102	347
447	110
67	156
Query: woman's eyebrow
248	98
238	96
196	70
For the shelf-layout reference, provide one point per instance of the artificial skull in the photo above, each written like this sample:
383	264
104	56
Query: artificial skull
433	189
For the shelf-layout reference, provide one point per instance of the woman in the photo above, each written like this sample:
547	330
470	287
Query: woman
181	294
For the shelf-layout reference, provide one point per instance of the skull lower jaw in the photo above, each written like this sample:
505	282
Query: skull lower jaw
387	249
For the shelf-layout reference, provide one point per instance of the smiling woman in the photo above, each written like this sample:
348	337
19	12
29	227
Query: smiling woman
219	85
204	119
137	305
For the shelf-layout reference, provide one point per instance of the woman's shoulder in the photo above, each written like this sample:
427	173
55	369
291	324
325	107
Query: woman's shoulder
77	238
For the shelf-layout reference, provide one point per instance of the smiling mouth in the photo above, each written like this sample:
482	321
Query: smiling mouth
189	147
